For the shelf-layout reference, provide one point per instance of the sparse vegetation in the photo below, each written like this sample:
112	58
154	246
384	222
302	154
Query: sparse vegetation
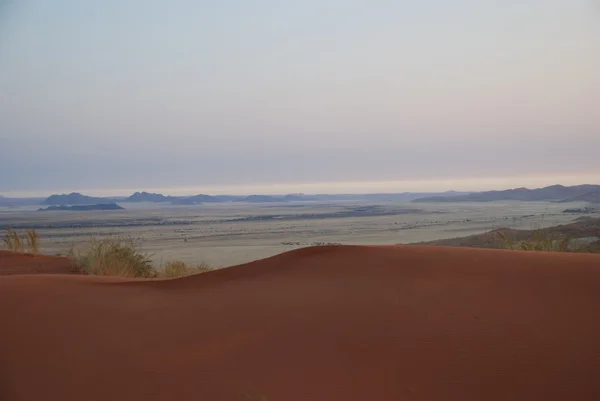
32	239
181	269
112	256
115	257
542	241
582	236
121	257
14	242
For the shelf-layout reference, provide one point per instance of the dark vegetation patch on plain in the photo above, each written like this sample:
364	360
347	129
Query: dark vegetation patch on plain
83	208
581	210
362	211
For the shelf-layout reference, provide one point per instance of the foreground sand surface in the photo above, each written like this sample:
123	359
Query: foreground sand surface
324	323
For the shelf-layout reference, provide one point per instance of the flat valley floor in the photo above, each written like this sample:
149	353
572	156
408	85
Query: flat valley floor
234	233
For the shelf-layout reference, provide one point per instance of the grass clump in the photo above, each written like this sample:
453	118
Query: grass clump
178	268
32	239
541	242
13	242
115	257
111	256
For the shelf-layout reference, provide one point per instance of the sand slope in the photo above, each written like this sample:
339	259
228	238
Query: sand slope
326	323
17	263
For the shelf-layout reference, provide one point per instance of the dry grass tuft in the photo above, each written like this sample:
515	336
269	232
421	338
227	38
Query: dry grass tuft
32	238
15	243
12	241
115	257
542	242
112	256
178	268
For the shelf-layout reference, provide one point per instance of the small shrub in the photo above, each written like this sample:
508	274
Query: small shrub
115	257
181	269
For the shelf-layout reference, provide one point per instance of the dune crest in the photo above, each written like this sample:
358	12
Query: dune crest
17	263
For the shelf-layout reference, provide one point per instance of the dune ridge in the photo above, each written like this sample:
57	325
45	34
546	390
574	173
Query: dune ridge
12	263
325	323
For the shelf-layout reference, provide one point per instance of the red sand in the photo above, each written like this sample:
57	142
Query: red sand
18	263
326	323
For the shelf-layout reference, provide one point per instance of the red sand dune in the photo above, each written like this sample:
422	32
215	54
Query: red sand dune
18	263
325	323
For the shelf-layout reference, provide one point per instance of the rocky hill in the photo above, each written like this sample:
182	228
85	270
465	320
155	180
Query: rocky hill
551	193
75	198
591	197
147	197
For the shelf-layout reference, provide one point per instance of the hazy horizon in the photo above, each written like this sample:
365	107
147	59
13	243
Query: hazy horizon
333	188
269	96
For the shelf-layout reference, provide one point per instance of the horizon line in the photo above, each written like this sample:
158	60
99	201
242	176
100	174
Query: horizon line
330	188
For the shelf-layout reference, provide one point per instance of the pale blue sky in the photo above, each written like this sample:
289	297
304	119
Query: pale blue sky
123	94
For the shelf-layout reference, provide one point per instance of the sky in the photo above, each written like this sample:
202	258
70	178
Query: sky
309	96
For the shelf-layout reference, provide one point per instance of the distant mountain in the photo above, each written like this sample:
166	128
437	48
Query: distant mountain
147	197
83	208
299	197
407	196
591	197
229	198
377	197
75	198
259	199
551	193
